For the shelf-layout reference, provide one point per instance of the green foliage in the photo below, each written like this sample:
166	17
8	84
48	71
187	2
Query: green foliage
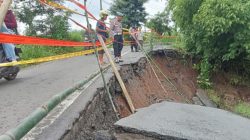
34	52
218	32
203	79
243	109
57	27
42	20
167	41
239	107
236	80
160	23
30	52
76	36
214	97
133	11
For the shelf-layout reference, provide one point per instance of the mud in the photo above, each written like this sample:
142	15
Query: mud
97	120
178	84
230	94
97	117
145	89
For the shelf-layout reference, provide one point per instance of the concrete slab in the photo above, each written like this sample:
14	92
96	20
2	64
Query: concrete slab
61	119
132	57
202	95
163	47
182	121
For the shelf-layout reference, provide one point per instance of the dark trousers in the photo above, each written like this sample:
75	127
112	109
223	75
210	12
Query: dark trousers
133	44
118	45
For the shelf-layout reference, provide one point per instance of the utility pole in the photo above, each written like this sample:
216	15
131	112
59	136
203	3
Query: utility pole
3	10
100	4
86	14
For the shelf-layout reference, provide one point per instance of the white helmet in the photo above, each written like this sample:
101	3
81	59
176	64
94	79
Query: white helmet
103	13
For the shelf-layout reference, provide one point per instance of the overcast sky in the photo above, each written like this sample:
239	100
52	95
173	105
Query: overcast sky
152	8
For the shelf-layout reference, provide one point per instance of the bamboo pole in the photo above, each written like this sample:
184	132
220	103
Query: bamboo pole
100	4
92	36
34	118
118	76
3	10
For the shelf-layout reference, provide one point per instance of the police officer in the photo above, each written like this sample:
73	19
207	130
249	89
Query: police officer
117	34
101	29
133	38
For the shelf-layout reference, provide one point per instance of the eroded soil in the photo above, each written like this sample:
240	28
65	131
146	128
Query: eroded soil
230	94
145	89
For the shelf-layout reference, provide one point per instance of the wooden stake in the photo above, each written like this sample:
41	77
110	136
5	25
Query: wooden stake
118	76
3	10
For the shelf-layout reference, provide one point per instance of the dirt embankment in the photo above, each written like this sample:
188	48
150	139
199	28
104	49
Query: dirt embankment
229	93
179	83
98	118
145	89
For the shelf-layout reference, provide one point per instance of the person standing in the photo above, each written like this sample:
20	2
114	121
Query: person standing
9	48
9	27
140	38
117	34
101	29
10	21
133	38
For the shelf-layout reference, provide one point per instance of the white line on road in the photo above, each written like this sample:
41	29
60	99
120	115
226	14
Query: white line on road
56	112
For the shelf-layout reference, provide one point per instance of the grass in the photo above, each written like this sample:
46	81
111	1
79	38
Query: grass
167	41
243	109
214	97
30	52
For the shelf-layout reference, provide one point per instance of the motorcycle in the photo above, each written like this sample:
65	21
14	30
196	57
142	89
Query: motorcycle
9	72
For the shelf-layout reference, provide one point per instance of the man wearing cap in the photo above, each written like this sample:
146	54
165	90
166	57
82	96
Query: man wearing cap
116	32
101	29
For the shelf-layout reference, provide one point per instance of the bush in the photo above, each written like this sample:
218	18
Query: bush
30	52
218	32
77	36
243	109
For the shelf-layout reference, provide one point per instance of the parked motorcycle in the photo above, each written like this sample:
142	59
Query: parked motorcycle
10	72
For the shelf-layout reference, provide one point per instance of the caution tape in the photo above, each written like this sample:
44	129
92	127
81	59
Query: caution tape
17	39
78	24
49	58
59	6
56	5
84	8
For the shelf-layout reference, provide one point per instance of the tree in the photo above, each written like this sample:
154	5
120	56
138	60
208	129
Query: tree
160	23
133	11
216	31
42	20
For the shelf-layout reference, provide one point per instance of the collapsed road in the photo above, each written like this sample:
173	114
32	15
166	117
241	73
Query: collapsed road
88	114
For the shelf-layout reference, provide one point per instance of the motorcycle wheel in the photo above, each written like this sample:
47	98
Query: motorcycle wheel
10	77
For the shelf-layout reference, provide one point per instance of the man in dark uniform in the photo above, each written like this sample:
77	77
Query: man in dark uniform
117	34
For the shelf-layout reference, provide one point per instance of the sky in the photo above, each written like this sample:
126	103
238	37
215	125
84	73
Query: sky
152	7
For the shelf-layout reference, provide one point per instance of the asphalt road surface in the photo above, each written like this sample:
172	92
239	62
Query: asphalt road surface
37	84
